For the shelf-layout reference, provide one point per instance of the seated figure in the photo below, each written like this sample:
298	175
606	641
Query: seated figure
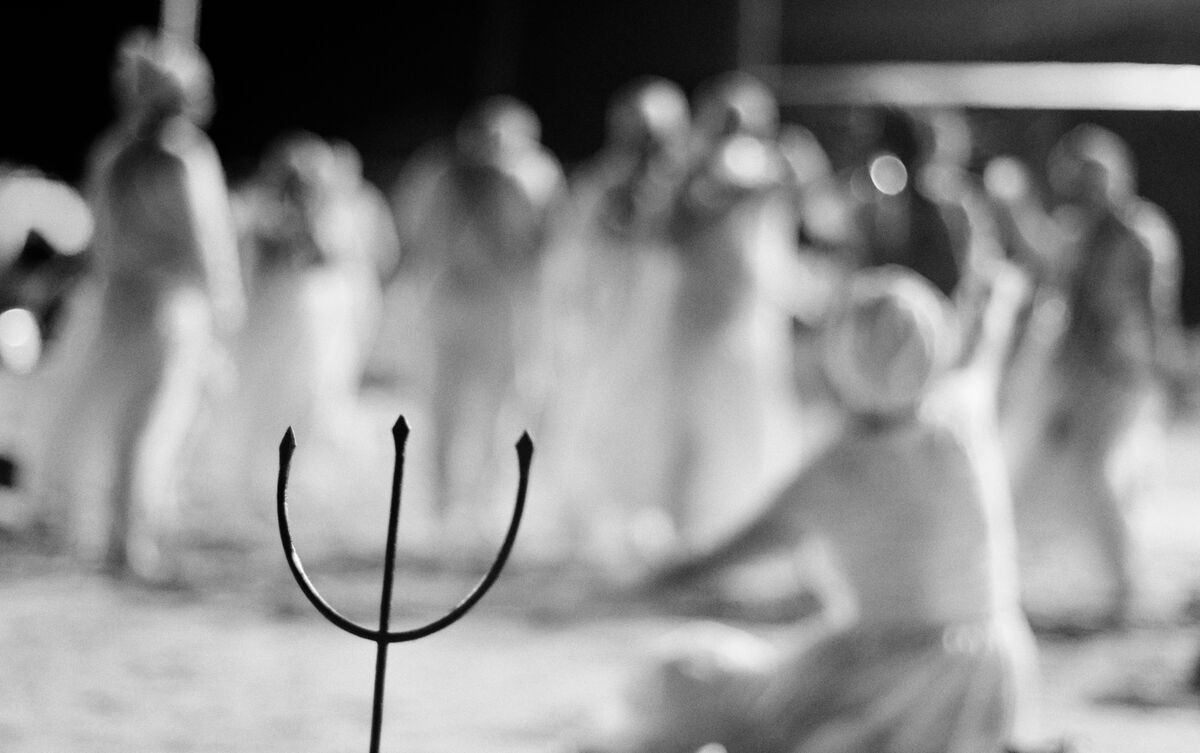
912	498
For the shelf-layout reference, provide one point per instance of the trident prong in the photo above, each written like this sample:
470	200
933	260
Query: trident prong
383	637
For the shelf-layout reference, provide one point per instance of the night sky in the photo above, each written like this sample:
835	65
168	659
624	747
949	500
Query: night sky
387	77
379	74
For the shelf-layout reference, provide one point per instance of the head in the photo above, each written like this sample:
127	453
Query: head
157	75
1091	165
301	166
886	341
299	219
1007	179
649	113
499	124
736	103
807	157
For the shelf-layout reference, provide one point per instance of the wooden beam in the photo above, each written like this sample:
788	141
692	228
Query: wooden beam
1025	86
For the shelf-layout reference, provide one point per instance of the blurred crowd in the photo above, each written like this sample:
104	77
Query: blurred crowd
701	314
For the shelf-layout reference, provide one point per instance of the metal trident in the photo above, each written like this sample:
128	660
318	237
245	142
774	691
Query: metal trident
383	636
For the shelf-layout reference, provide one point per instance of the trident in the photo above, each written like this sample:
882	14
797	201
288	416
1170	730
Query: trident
383	637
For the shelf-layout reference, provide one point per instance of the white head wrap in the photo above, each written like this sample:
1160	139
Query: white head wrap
891	334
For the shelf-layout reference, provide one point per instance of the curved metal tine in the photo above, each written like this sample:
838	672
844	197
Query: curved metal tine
286	448
524	456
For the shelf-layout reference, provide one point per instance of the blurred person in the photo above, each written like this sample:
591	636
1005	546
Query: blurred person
732	410
167	288
474	224
1119	349
1032	240
309	191
313	243
934	653
731	103
609	280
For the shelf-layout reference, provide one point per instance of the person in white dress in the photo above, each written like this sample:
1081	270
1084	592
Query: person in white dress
311	250
608	283
733	413
474	221
1104	394
167	289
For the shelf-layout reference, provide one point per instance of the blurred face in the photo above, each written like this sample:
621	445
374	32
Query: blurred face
161	74
737	104
653	117
499	125
1091	167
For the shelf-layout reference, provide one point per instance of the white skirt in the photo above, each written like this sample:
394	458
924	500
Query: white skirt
929	689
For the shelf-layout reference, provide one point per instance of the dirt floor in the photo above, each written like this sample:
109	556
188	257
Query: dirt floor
240	662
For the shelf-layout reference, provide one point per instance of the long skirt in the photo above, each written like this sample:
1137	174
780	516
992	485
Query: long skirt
885	689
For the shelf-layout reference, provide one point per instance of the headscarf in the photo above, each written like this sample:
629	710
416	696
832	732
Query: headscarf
889	338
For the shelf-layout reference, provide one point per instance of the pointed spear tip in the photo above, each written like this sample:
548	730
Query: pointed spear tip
524	446
289	441
400	429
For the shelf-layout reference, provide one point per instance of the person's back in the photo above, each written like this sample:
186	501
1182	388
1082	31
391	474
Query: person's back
911	514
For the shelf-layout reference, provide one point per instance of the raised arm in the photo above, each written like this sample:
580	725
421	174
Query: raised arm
1003	291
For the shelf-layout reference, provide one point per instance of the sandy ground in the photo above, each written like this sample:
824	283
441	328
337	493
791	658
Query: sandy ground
241	663
89	666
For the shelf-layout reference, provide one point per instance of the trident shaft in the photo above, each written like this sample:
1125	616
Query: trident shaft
383	636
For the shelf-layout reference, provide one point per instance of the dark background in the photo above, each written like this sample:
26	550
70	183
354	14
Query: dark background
388	76
384	75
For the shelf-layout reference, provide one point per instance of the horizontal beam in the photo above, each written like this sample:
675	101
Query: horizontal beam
1003	86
